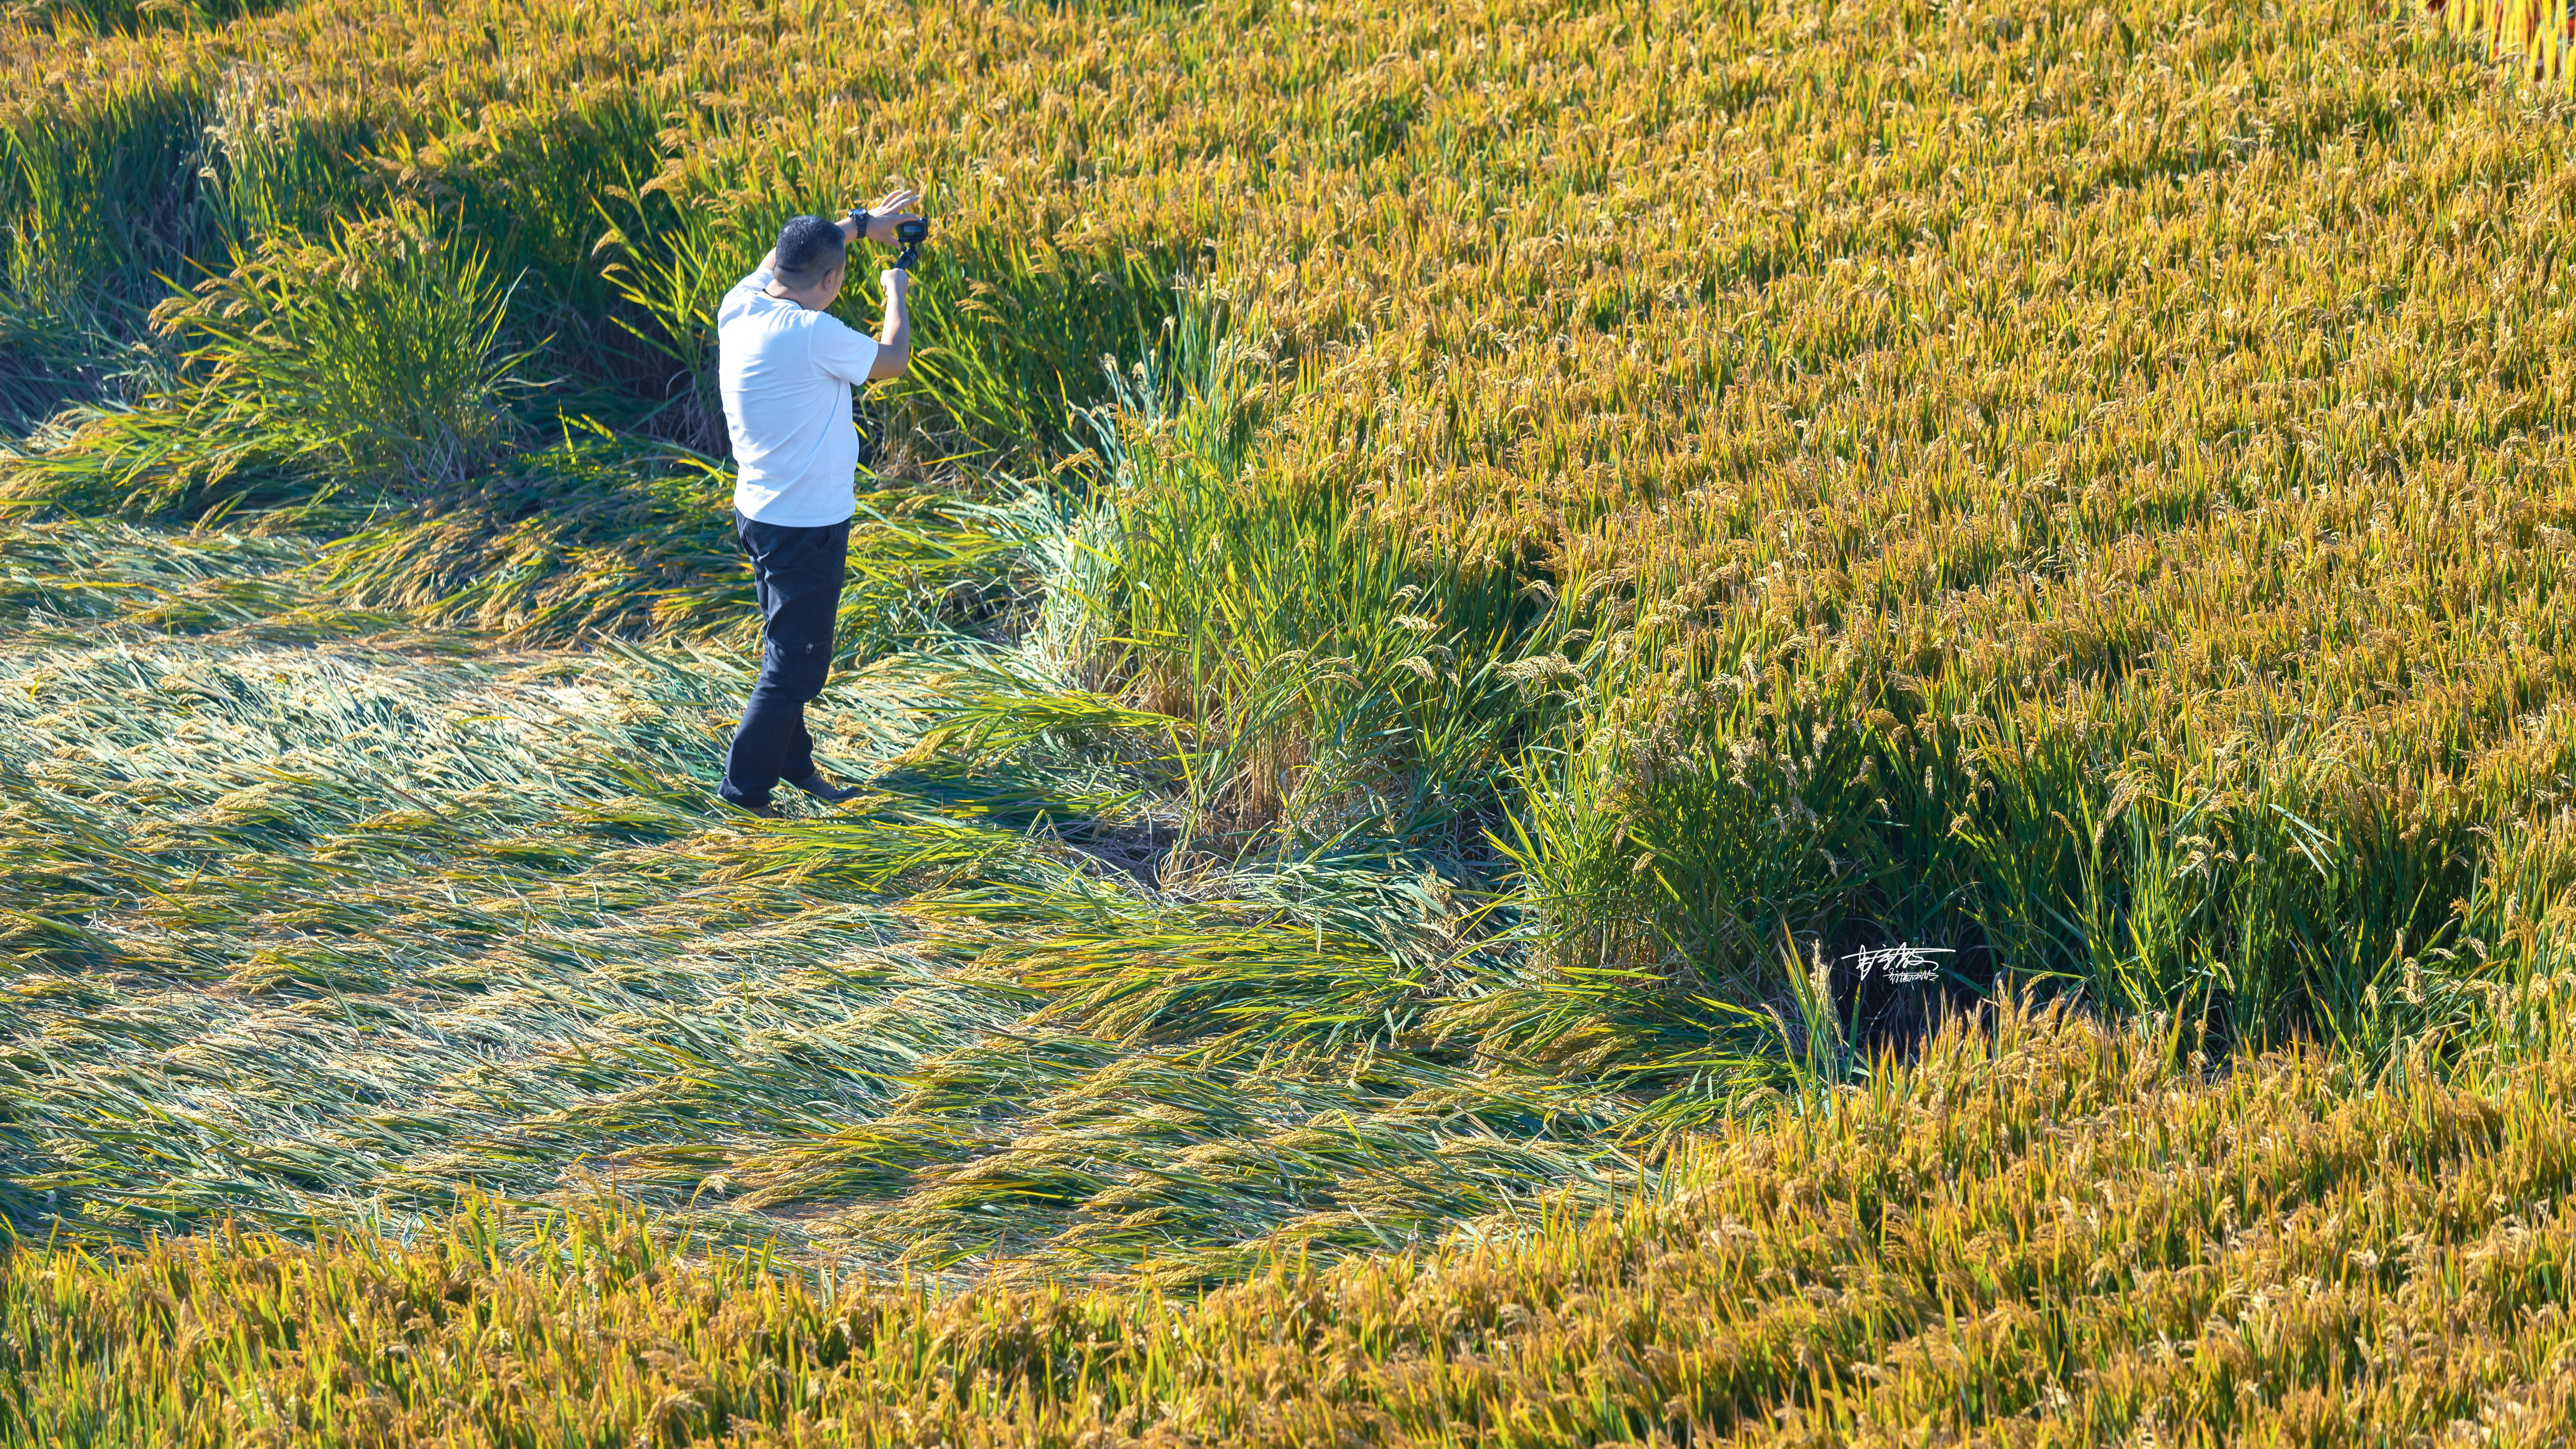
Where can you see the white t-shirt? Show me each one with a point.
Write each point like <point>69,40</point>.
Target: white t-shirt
<point>785,373</point>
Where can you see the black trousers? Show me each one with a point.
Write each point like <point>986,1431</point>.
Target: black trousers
<point>797,572</point>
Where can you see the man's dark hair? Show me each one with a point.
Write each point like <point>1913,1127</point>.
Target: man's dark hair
<point>808,249</point>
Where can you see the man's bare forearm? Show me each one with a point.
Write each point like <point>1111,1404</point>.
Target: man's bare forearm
<point>894,339</point>
<point>897,333</point>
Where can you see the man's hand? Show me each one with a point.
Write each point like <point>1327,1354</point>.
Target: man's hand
<point>877,223</point>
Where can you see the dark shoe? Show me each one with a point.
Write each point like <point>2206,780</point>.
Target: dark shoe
<point>765,812</point>
<point>824,790</point>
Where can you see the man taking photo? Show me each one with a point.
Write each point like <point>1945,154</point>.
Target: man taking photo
<point>786,367</point>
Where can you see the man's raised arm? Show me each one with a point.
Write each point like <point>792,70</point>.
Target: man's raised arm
<point>894,341</point>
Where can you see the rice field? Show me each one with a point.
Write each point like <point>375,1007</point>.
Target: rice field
<point>1654,724</point>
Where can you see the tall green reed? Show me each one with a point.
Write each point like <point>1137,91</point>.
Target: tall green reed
<point>2251,889</point>
<point>369,362</point>
<point>379,350</point>
<point>1356,690</point>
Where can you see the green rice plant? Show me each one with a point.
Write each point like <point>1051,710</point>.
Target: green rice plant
<point>1724,839</point>
<point>99,191</point>
<point>1010,338</point>
<point>1348,692</point>
<point>87,193</point>
<point>274,167</point>
<point>378,350</point>
<point>132,189</point>
<point>367,363</point>
<point>1276,985</point>
<point>77,17</point>
<point>59,354</point>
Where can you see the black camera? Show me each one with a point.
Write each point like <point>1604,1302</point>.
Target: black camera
<point>912,234</point>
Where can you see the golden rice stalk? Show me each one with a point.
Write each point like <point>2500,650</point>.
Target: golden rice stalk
<point>2541,32</point>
